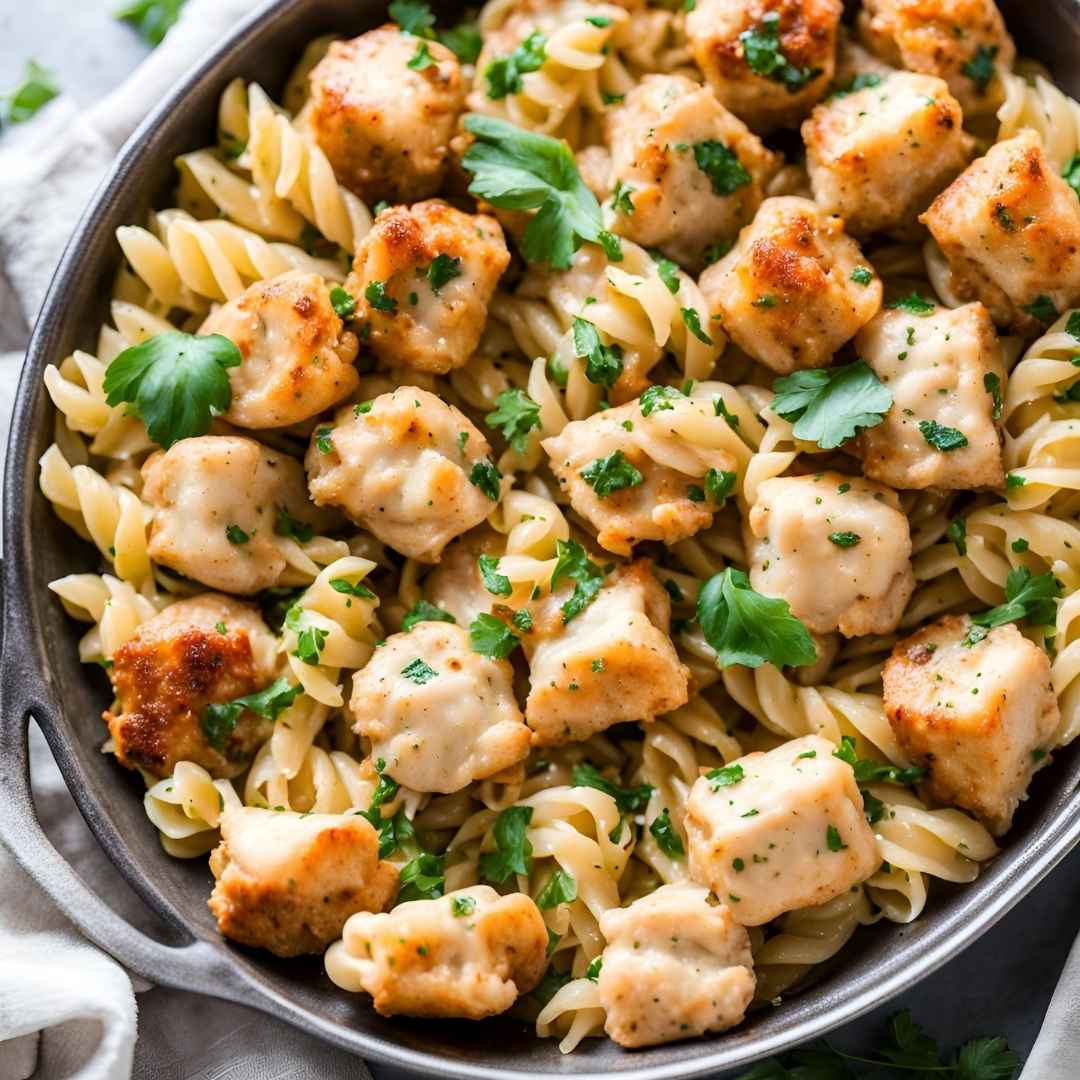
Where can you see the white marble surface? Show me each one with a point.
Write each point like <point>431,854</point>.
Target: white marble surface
<point>1000,986</point>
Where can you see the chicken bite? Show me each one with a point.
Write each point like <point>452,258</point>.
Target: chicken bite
<point>963,42</point>
<point>386,127</point>
<point>844,530</point>
<point>222,506</point>
<point>1009,227</point>
<point>455,585</point>
<point>408,467</point>
<point>422,278</point>
<point>438,714</point>
<point>209,649</point>
<point>778,831</point>
<point>287,882</point>
<point>979,714</point>
<point>943,369</point>
<point>676,965</point>
<point>768,61</point>
<point>878,156</point>
<point>688,173</point>
<point>469,954</point>
<point>785,293</point>
<point>634,476</point>
<point>297,356</point>
<point>609,663</point>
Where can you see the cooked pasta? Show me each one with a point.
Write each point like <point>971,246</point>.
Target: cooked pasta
<point>569,631</point>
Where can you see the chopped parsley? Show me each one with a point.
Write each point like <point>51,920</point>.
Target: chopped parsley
<point>462,906</point>
<point>422,878</point>
<point>443,269</point>
<point>692,320</point>
<point>574,563</point>
<point>323,442</point>
<point>980,68</point>
<point>725,776</point>
<point>845,539</point>
<point>945,439</point>
<point>487,478</point>
<point>422,58</point>
<point>862,276</point>
<point>610,474</point>
<point>513,851</point>
<point>351,588</point>
<point>560,889</point>
<point>419,672</point>
<point>491,637</point>
<point>220,719</point>
<point>422,611</point>
<point>764,56</point>
<point>504,74</point>
<point>992,385</point>
<point>515,415</point>
<point>722,166</point>
<point>235,535</point>
<point>1028,597</point>
<point>375,295</point>
<point>603,363</point>
<point>719,485</point>
<point>659,398</point>
<point>957,533</point>
<point>497,584</point>
<point>620,198</point>
<point>1042,308</point>
<point>628,800</point>
<point>913,304</point>
<point>667,836</point>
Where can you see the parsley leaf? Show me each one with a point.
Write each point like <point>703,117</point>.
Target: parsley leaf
<point>504,75</point>
<point>666,835</point>
<point>862,81</point>
<point>725,776</point>
<point>913,305</point>
<point>868,771</point>
<point>513,852</point>
<point>422,878</point>
<point>573,562</point>
<point>309,644</point>
<point>412,17</point>
<point>668,273</point>
<point>862,276</point>
<point>222,717</point>
<point>497,584</point>
<point>176,382</point>
<point>945,439</point>
<point>980,68</point>
<point>235,535</point>
<point>722,166</point>
<point>418,672</point>
<point>1071,173</point>
<point>621,202</point>
<point>833,840</point>
<point>845,539</point>
<point>351,588</point>
<point>592,972</point>
<point>375,295</point>
<point>487,478</point>
<point>628,800</point>
<point>659,398</point>
<point>560,889</point>
<point>385,789</point>
<point>719,485</point>
<point>286,525</point>
<point>491,637</point>
<point>1027,596</point>
<point>830,405</point>
<point>609,474</point>
<point>521,170</point>
<point>37,89</point>
<point>464,41</point>
<point>603,363</point>
<point>1042,308</point>
<point>692,321</point>
<point>462,906</point>
<point>957,533</point>
<point>444,268</point>
<point>992,385</point>
<point>745,627</point>
<point>761,49</point>
<point>153,19</point>
<point>323,442</point>
<point>515,415</point>
<point>421,59</point>
<point>422,611</point>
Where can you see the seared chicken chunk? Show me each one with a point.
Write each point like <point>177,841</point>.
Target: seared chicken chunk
<point>1010,229</point>
<point>944,369</point>
<point>963,42</point>
<point>785,292</point>
<point>675,966</point>
<point>878,156</point>
<point>612,662</point>
<point>221,504</point>
<point>778,831</point>
<point>844,530</point>
<point>980,715</point>
<point>468,954</point>
<point>287,882</point>
<point>386,127</point>
<point>422,279</point>
<point>439,714</point>
<point>624,471</point>
<point>409,467</point>
<point>297,356</point>
<point>209,649</point>
<point>455,585</point>
<point>768,61</point>
<point>689,173</point>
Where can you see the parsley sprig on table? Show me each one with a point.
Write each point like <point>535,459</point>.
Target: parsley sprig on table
<point>153,19</point>
<point>21,102</point>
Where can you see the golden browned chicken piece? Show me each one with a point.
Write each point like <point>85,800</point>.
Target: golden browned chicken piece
<point>469,954</point>
<point>422,279</point>
<point>386,127</point>
<point>980,715</point>
<point>768,61</point>
<point>287,882</point>
<point>209,649</point>
<point>785,293</point>
<point>297,356</point>
<point>1009,226</point>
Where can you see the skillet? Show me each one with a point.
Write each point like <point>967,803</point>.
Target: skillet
<point>41,677</point>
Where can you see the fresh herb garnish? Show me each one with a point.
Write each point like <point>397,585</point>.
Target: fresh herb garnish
<point>945,439</point>
<point>504,74</point>
<point>572,562</point>
<point>422,878</point>
<point>603,363</point>
<point>628,800</point>
<point>221,718</point>
<point>1030,597</point>
<point>422,611</point>
<point>513,852</point>
<point>491,637</point>
<point>722,166</point>
<point>515,415</point>
<point>980,68</point>
<point>443,269</point>
<point>764,56</point>
<point>495,583</point>
<point>37,89</point>
<point>666,835</point>
<point>487,478</point>
<point>610,474</point>
<point>560,889</point>
<point>659,398</point>
<point>419,672</point>
<point>153,19</point>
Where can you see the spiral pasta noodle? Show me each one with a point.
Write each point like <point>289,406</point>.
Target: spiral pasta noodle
<point>1038,104</point>
<point>186,808</point>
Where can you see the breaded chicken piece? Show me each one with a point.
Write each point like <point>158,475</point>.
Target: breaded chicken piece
<point>386,127</point>
<point>778,831</point>
<point>804,531</point>
<point>963,42</point>
<point>944,368</point>
<point>297,356</point>
<point>611,663</point>
<point>675,966</point>
<point>468,955</point>
<point>422,278</point>
<point>768,61</point>
<point>221,505</point>
<point>689,173</point>
<point>1009,227</point>
<point>409,467</point>
<point>981,717</point>
<point>878,156</point>
<point>287,882</point>
<point>785,293</point>
<point>208,649</point>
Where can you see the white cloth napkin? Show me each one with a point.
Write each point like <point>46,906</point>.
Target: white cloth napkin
<point>67,1010</point>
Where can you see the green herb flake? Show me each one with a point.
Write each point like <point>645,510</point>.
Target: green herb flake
<point>323,442</point>
<point>37,88</point>
<point>422,58</point>
<point>1042,308</point>
<point>422,611</point>
<point>487,478</point>
<point>957,533</point>
<point>692,320</point>
<point>610,474</point>
<point>418,672</point>
<point>764,55</point>
<point>725,776</point>
<point>513,851</point>
<point>560,889</point>
<point>497,584</point>
<point>628,800</point>
<point>845,539</point>
<point>666,835</point>
<point>945,439</point>
<point>980,68</point>
<point>220,719</point>
<point>603,363</point>
<point>722,166</point>
<point>235,535</point>
<point>515,415</point>
<point>862,276</point>
<point>504,74</point>
<point>491,637</point>
<point>913,304</point>
<point>375,295</point>
<point>443,269</point>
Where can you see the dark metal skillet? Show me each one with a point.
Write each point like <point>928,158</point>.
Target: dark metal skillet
<point>42,677</point>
